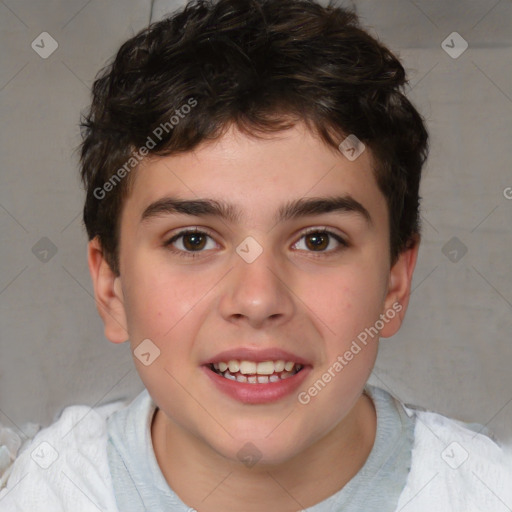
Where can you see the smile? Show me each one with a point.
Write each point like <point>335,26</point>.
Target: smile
<point>253,372</point>
<point>252,382</point>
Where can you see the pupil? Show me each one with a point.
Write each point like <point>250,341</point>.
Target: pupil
<point>197,241</point>
<point>319,240</point>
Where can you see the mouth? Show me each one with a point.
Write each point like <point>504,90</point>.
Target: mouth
<point>252,372</point>
<point>257,382</point>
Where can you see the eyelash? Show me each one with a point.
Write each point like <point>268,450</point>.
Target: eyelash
<point>195,254</point>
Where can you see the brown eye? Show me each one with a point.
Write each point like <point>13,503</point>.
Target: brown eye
<point>317,241</point>
<point>190,243</point>
<point>194,241</point>
<point>321,241</point>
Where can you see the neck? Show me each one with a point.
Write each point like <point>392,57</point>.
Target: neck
<point>320,471</point>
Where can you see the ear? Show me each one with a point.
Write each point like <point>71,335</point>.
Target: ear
<point>399,289</point>
<point>108,293</point>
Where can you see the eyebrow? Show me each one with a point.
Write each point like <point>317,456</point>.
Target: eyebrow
<point>291,210</point>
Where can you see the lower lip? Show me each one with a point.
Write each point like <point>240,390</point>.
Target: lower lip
<point>257,393</point>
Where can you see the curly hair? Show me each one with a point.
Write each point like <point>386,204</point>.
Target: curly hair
<point>262,65</point>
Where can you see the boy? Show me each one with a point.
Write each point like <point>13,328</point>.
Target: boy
<point>252,171</point>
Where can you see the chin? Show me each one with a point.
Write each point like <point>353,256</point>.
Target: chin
<point>260,448</point>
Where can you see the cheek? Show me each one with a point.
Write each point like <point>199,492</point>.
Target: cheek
<point>346,301</point>
<point>159,297</point>
<point>162,306</point>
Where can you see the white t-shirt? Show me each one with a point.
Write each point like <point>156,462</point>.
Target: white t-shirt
<point>139,484</point>
<point>69,466</point>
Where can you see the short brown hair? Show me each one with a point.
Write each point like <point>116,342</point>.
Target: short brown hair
<point>262,65</point>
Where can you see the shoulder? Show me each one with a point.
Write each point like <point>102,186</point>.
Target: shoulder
<point>455,467</point>
<point>64,467</point>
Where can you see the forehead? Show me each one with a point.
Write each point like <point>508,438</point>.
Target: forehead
<point>257,176</point>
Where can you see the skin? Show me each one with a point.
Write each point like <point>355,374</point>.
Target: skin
<point>294,296</point>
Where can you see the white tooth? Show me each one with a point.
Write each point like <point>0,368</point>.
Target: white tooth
<point>274,378</point>
<point>279,365</point>
<point>222,366</point>
<point>233,366</point>
<point>216,366</point>
<point>229,376</point>
<point>252,379</point>
<point>263,379</point>
<point>241,378</point>
<point>247,367</point>
<point>286,375</point>
<point>265,368</point>
<point>288,366</point>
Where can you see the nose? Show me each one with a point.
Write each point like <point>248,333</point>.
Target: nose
<point>257,294</point>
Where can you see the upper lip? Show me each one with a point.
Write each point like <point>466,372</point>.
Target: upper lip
<point>256,355</point>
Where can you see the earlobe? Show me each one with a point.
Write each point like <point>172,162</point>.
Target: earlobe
<point>108,294</point>
<point>399,289</point>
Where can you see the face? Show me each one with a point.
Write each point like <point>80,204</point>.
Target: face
<point>282,259</point>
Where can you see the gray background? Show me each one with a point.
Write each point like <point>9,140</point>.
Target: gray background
<point>452,355</point>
